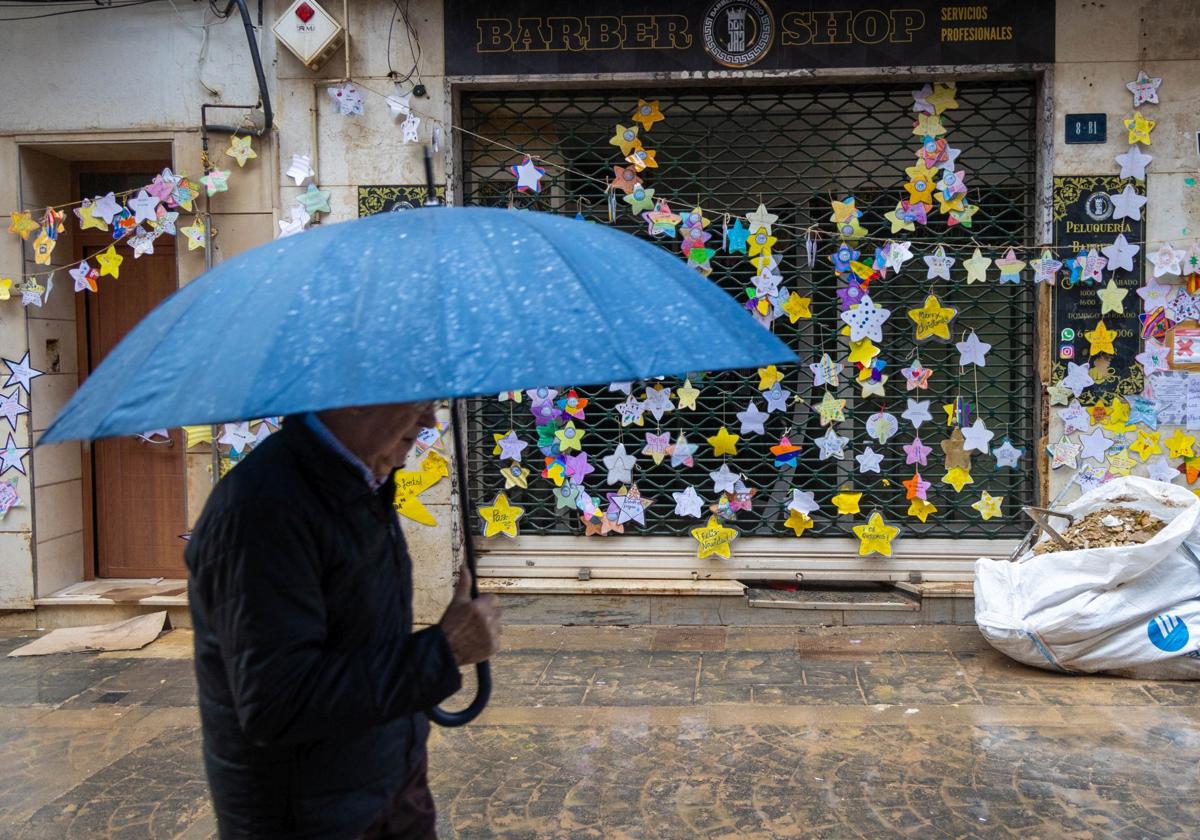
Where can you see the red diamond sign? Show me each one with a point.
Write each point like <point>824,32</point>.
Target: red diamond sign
<point>305,12</point>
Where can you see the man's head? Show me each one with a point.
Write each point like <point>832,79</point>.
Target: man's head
<point>381,436</point>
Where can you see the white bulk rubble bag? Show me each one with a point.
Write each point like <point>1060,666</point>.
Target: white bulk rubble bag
<point>1133,610</point>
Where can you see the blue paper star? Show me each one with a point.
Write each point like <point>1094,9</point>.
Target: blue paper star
<point>735,238</point>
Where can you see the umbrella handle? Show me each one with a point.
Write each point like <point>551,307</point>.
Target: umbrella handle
<point>483,670</point>
<point>483,675</point>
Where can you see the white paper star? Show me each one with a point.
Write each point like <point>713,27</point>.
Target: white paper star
<point>687,503</point>
<point>347,98</point>
<point>296,224</point>
<point>917,412</point>
<point>409,129</point>
<point>144,207</point>
<point>777,398</point>
<point>1160,469</point>
<point>682,451</point>
<point>658,402</point>
<point>237,436</point>
<point>398,104</point>
<point>866,320</point>
<point>977,267</point>
<point>939,265</point>
<point>723,479</point>
<point>11,408</point>
<point>972,351</point>
<point>12,457</point>
<point>1127,204</point>
<point>1120,254</point>
<point>1078,379</point>
<point>631,411</point>
<point>832,445</point>
<point>898,254</point>
<point>84,276</point>
<point>20,373</point>
<point>620,466</point>
<point>825,372</point>
<point>1167,260</point>
<point>760,218</point>
<point>106,207</point>
<point>1154,294</point>
<point>1134,162</point>
<point>920,105</point>
<point>1007,455</point>
<point>977,437</point>
<point>951,156</point>
<point>1065,453</point>
<point>752,419</point>
<point>1144,88</point>
<point>622,387</point>
<point>511,447</point>
<point>1153,357</point>
<point>1075,417</point>
<point>301,170</point>
<point>1095,444</point>
<point>869,460</point>
<point>142,242</point>
<point>529,175</point>
<point>803,501</point>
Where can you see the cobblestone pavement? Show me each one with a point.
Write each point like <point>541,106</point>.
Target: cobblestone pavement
<point>664,733</point>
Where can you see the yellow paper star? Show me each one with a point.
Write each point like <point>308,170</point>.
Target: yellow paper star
<point>626,139</point>
<point>875,537</point>
<point>898,222</point>
<point>768,376</point>
<point>723,443</point>
<point>932,320</point>
<point>1100,339</point>
<point>1139,129</point>
<point>847,503</point>
<point>928,125</point>
<point>22,224</point>
<point>647,114</point>
<point>43,247</point>
<point>110,262</point>
<point>515,475</point>
<point>851,231</point>
<point>951,409</point>
<point>641,158</point>
<point>196,435</point>
<point>831,410</point>
<point>988,505</point>
<point>1119,463</point>
<point>1112,416</point>
<point>1147,444</point>
<point>958,478</point>
<point>714,539</point>
<point>921,508</point>
<point>920,190</point>
<point>798,522</point>
<point>195,233</point>
<point>241,150</point>
<point>843,211</point>
<point>951,205</point>
<point>687,395</point>
<point>6,285</point>
<point>86,213</point>
<point>760,243</point>
<point>1180,444</point>
<point>1112,298</point>
<point>942,97</point>
<point>797,307</point>
<point>862,352</point>
<point>500,517</point>
<point>569,437</point>
<point>410,484</point>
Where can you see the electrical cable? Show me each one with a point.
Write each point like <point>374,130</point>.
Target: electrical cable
<point>414,44</point>
<point>77,11</point>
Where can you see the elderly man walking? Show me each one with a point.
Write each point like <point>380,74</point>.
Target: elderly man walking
<point>312,683</point>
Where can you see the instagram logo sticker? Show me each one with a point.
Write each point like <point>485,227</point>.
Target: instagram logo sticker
<point>1066,351</point>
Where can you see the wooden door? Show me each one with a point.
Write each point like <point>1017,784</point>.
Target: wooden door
<point>137,485</point>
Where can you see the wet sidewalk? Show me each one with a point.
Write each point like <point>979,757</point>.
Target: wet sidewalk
<point>664,733</point>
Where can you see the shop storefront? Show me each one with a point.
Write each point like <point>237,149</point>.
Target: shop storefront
<point>748,137</point>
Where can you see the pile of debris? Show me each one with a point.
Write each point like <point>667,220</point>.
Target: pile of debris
<point>1105,528</point>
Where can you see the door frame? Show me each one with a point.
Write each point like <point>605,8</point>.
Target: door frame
<point>81,240</point>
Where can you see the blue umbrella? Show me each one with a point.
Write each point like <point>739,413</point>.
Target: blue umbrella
<point>423,304</point>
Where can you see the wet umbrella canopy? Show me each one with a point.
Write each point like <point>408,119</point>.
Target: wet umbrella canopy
<point>423,304</point>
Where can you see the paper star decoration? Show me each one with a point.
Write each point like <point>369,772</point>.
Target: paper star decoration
<point>1077,379</point>
<point>932,320</point>
<point>958,478</point>
<point>1160,469</point>
<point>988,505</point>
<point>1010,267</point>
<point>347,98</point>
<point>724,480</point>
<point>20,373</point>
<point>658,446</point>
<point>1134,163</point>
<point>296,224</point>
<point>1153,358</point>
<point>1045,268</point>
<point>528,174</point>
<point>882,426</point>
<point>875,537</point>
<point>241,150</point>
<point>869,460</point>
<point>866,320</point>
<point>761,218</point>
<point>410,484</point>
<point>1112,298</point>
<point>682,452</point>
<point>1007,455</point>
<point>847,503</point>
<point>12,457</point>
<point>687,394</point>
<point>11,408</point>
<point>628,505</point>
<point>300,170</point>
<point>862,352</point>
<point>977,437</point>
<point>825,372</point>
<point>1181,445</point>
<point>1100,339</point>
<point>647,114</point>
<point>1144,89</point>
<point>500,518</point>
<point>797,307</point>
<point>938,265</point>
<point>777,398</point>
<point>631,411</point>
<point>831,410</point>
<point>620,466</point>
<point>953,452</point>
<point>1127,204</point>
<point>798,522</point>
<point>916,376</point>
<point>1139,128</point>
<point>215,181</point>
<point>713,539</point>
<point>972,351</point>
<point>658,401</point>
<point>399,104</point>
<point>515,476</point>
<point>916,452</point>
<point>687,503</point>
<point>22,223</point>
<point>832,445</point>
<point>1167,260</point>
<point>1064,453</point>
<point>1120,254</point>
<point>1119,463</point>
<point>195,234</point>
<point>1147,444</point>
<point>921,508</point>
<point>917,412</point>
<point>723,443</point>
<point>1075,418</point>
<point>626,139</point>
<point>976,267</point>
<point>314,200</point>
<point>84,276</point>
<point>915,487</point>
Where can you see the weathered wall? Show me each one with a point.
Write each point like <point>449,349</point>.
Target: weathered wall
<point>1101,46</point>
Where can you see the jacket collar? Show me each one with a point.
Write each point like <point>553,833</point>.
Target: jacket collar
<point>335,479</point>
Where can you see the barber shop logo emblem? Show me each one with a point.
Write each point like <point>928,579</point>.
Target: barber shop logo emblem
<point>1167,632</point>
<point>737,33</point>
<point>1098,206</point>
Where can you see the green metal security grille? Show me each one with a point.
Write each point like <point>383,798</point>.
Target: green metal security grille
<point>796,149</point>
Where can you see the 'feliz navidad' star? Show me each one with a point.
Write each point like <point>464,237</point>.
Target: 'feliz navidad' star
<point>714,539</point>
<point>875,537</point>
